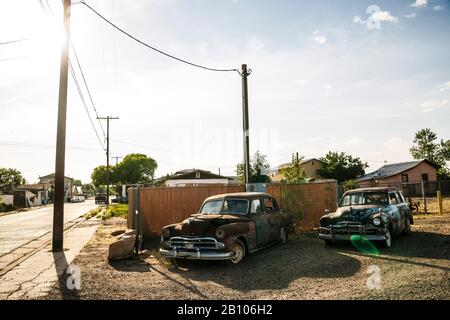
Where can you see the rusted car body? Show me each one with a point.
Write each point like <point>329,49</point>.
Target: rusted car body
<point>226,227</point>
<point>377,214</point>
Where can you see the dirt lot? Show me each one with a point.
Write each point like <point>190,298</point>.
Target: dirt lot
<point>416,267</point>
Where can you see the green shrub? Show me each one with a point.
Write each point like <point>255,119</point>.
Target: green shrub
<point>6,207</point>
<point>117,210</point>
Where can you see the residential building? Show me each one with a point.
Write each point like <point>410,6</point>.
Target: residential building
<point>193,177</point>
<point>397,173</point>
<point>68,184</point>
<point>309,168</point>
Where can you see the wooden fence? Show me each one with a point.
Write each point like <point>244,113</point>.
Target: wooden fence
<point>160,206</point>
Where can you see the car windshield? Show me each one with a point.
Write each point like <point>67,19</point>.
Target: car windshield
<point>364,198</point>
<point>221,206</point>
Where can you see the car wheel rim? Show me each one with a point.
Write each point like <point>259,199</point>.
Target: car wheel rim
<point>283,235</point>
<point>388,239</point>
<point>238,253</point>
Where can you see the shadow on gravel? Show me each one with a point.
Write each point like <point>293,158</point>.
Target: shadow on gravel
<point>417,244</point>
<point>272,268</point>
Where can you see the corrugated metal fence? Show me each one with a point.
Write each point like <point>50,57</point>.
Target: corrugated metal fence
<point>160,206</point>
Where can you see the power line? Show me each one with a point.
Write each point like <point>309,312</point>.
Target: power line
<point>35,145</point>
<point>14,41</point>
<point>153,48</point>
<point>84,103</point>
<point>87,88</point>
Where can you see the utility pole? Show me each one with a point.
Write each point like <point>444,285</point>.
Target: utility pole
<point>108,118</point>
<point>244,74</point>
<point>58,206</point>
<point>117,159</point>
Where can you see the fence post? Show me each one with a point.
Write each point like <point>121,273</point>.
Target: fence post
<point>424,198</point>
<point>137,225</point>
<point>439,198</point>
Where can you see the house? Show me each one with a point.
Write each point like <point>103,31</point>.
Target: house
<point>308,167</point>
<point>193,177</point>
<point>68,184</point>
<point>35,194</point>
<point>397,173</point>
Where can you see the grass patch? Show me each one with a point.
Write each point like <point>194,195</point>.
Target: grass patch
<point>93,213</point>
<point>117,210</point>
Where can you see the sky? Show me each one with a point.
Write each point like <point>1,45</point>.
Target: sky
<point>354,76</point>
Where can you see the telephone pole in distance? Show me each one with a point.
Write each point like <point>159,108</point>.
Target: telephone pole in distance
<point>108,118</point>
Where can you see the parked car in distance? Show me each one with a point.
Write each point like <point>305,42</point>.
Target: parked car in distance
<point>77,199</point>
<point>377,214</point>
<point>227,227</point>
<point>101,198</point>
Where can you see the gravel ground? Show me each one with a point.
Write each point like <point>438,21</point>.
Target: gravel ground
<point>416,267</point>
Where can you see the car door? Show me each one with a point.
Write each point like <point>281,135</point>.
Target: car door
<point>261,223</point>
<point>274,217</point>
<point>404,210</point>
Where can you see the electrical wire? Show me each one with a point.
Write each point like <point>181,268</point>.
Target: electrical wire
<point>87,88</point>
<point>35,145</point>
<point>84,103</point>
<point>14,41</point>
<point>153,48</point>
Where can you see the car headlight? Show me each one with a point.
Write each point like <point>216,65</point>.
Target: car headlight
<point>166,233</point>
<point>376,221</point>
<point>220,233</point>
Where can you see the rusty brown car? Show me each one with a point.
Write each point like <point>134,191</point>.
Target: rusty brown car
<point>227,227</point>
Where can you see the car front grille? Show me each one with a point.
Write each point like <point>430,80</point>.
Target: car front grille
<point>351,229</point>
<point>195,243</point>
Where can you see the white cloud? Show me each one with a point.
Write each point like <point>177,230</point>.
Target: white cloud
<point>433,104</point>
<point>444,86</point>
<point>320,40</point>
<point>358,20</point>
<point>438,8</point>
<point>384,16</point>
<point>255,44</point>
<point>328,86</point>
<point>419,4</point>
<point>410,15</point>
<point>316,32</point>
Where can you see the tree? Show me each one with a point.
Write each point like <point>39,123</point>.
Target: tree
<point>258,163</point>
<point>341,167</point>
<point>77,183</point>
<point>98,176</point>
<point>88,188</point>
<point>135,168</point>
<point>426,146</point>
<point>294,173</point>
<point>10,175</point>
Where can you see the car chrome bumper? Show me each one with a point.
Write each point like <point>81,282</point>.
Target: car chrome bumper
<point>195,255</point>
<point>371,237</point>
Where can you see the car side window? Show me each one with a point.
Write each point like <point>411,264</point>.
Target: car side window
<point>269,205</point>
<point>392,198</point>
<point>402,197</point>
<point>256,206</point>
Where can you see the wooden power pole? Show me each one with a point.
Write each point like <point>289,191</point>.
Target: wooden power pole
<point>244,74</point>
<point>108,118</point>
<point>58,206</point>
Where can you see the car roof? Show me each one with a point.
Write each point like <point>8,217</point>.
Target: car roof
<point>243,195</point>
<point>372,189</point>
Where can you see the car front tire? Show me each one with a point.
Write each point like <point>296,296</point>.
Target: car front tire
<point>387,243</point>
<point>238,252</point>
<point>283,235</point>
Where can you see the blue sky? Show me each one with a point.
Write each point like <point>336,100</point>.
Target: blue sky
<point>323,79</point>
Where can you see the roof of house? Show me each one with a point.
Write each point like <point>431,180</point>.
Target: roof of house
<point>52,175</point>
<point>389,170</point>
<point>187,174</point>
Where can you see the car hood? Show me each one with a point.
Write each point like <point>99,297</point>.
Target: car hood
<point>358,214</point>
<point>206,224</point>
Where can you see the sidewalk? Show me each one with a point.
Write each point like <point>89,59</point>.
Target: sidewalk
<point>35,276</point>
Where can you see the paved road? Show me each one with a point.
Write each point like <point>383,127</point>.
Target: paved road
<point>19,228</point>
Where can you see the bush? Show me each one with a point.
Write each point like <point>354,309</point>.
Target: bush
<point>6,207</point>
<point>117,210</point>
